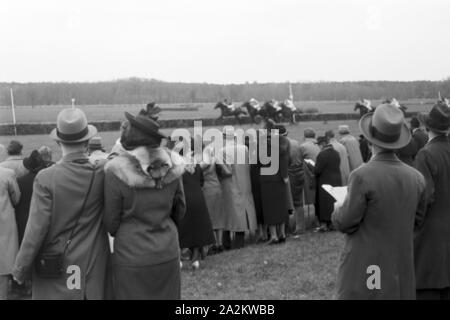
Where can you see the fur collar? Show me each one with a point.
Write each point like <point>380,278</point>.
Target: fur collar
<point>130,167</point>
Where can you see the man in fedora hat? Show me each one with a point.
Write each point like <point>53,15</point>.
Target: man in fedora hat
<point>432,241</point>
<point>64,238</point>
<point>385,200</point>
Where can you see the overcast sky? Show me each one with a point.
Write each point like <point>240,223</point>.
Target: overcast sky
<point>229,41</point>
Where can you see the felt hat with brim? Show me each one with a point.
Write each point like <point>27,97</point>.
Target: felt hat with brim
<point>386,127</point>
<point>72,127</point>
<point>438,120</point>
<point>34,161</point>
<point>146,125</point>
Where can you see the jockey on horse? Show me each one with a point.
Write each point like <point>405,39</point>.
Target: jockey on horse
<point>253,109</point>
<point>289,110</point>
<point>364,106</point>
<point>229,110</point>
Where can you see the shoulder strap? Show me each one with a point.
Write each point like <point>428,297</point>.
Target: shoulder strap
<point>69,240</point>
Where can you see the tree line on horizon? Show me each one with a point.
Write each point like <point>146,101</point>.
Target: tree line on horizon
<point>141,91</point>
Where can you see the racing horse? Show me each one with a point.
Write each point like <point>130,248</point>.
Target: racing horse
<point>289,110</point>
<point>230,110</point>
<point>272,110</point>
<point>364,106</point>
<point>253,109</point>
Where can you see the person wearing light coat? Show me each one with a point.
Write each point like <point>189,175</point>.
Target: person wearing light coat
<point>237,199</point>
<point>344,166</point>
<point>9,197</point>
<point>352,145</point>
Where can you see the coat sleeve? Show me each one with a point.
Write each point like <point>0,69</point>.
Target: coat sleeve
<point>421,206</point>
<point>179,203</point>
<point>14,190</point>
<point>36,230</point>
<point>426,167</point>
<point>284,158</point>
<point>320,164</point>
<point>348,217</point>
<point>113,203</point>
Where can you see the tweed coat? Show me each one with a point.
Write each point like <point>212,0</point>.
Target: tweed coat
<point>9,197</point>
<point>58,195</point>
<point>385,201</point>
<point>432,241</point>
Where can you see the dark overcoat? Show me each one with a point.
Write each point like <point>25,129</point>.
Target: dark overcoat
<point>23,207</point>
<point>432,240</point>
<point>142,218</point>
<point>385,199</point>
<point>195,229</point>
<point>58,195</point>
<point>275,192</point>
<point>327,171</point>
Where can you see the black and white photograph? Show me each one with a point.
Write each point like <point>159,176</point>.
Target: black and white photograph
<point>224,155</point>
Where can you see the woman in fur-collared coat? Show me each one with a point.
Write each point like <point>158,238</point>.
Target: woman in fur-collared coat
<point>144,201</point>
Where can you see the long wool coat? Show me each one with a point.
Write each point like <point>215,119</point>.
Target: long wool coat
<point>58,196</point>
<point>143,217</point>
<point>353,151</point>
<point>296,172</point>
<point>275,191</point>
<point>9,197</point>
<point>195,229</point>
<point>212,190</point>
<point>344,166</point>
<point>237,199</point>
<point>23,207</point>
<point>326,171</point>
<point>432,241</point>
<point>384,201</point>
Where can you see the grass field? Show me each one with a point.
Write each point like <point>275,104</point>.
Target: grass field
<point>303,268</point>
<point>205,110</point>
<point>31,142</point>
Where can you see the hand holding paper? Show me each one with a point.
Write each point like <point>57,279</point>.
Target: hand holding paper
<point>338,193</point>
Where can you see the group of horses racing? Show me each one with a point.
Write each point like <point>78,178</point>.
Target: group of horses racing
<point>275,110</point>
<point>280,111</point>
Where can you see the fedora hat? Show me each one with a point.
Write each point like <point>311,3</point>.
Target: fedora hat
<point>72,127</point>
<point>145,124</point>
<point>386,127</point>
<point>438,119</point>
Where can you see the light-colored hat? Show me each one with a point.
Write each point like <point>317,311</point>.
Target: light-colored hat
<point>95,143</point>
<point>72,127</point>
<point>386,127</point>
<point>343,129</point>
